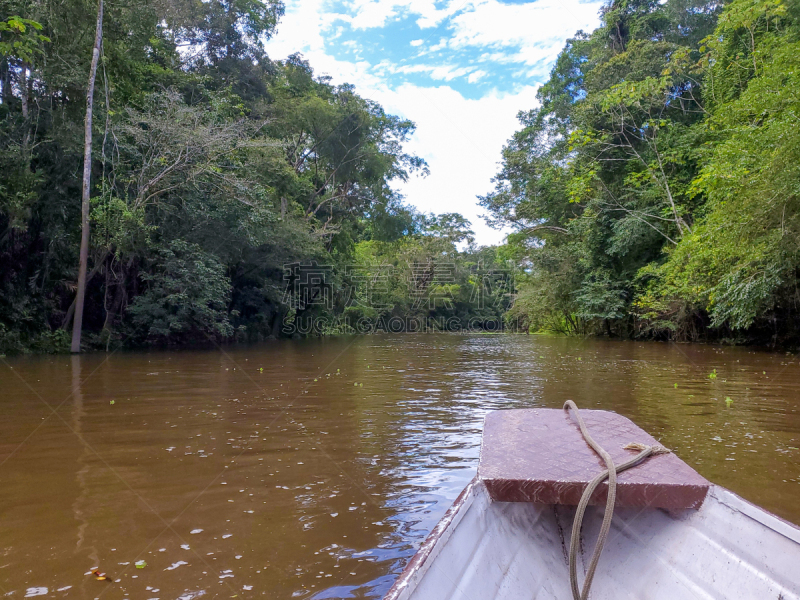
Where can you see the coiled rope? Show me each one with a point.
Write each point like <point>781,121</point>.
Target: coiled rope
<point>611,474</point>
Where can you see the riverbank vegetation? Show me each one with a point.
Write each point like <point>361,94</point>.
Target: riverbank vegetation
<point>654,192</point>
<point>212,168</point>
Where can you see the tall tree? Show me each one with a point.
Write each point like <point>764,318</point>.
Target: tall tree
<point>77,323</point>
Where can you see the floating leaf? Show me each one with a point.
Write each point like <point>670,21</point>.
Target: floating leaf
<point>111,402</point>
<point>140,564</point>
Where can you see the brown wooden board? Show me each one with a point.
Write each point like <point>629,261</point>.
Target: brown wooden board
<point>539,455</point>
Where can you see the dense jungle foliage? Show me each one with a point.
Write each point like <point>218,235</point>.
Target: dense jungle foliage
<point>655,190</point>
<point>214,167</point>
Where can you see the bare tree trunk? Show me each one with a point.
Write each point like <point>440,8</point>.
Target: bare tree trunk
<point>24,89</point>
<point>5,77</point>
<point>77,323</point>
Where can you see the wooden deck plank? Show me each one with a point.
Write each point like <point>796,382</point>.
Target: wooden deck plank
<point>539,455</point>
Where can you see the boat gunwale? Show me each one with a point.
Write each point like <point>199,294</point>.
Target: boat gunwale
<point>771,521</point>
<point>427,552</point>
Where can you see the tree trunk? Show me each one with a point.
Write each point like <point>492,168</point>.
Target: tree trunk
<point>5,81</point>
<point>77,323</point>
<point>24,92</point>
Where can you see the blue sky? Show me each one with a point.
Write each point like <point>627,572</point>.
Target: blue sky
<point>460,69</point>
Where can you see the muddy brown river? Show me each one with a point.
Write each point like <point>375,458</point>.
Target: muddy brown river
<point>314,469</point>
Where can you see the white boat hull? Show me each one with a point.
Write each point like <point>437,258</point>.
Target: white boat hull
<point>483,550</point>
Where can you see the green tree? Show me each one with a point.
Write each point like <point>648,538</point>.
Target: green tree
<point>597,181</point>
<point>740,263</point>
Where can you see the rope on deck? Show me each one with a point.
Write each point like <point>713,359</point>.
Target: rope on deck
<point>611,474</point>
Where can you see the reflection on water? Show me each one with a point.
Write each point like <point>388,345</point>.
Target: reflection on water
<point>315,469</point>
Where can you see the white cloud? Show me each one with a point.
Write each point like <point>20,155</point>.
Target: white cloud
<point>460,138</point>
<point>301,29</point>
<point>440,46</point>
<point>366,14</point>
<point>476,76</point>
<point>448,72</point>
<point>369,14</point>
<point>436,72</point>
<point>538,28</point>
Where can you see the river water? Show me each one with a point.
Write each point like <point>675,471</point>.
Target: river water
<point>314,469</point>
